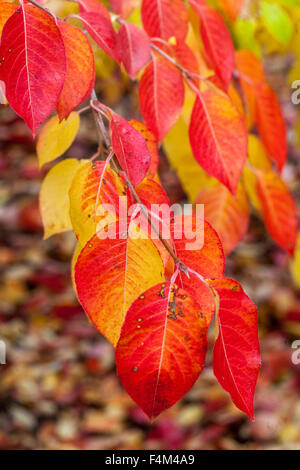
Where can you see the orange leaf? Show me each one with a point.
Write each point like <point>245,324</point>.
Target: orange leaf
<point>152,145</point>
<point>162,347</point>
<point>271,125</point>
<point>6,10</point>
<point>279,210</point>
<point>229,215</point>
<point>80,64</point>
<point>232,8</point>
<point>251,75</point>
<point>218,137</point>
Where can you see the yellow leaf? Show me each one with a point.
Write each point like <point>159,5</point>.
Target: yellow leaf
<point>258,158</point>
<point>54,197</point>
<point>56,137</point>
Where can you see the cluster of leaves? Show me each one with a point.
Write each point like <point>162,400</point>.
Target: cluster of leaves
<point>154,299</point>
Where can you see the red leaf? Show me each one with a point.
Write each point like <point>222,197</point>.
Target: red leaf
<point>271,125</point>
<point>162,347</point>
<point>33,64</point>
<point>279,210</point>
<point>161,96</point>
<point>236,359</point>
<point>216,40</point>
<point>124,7</point>
<point>218,137</point>
<point>101,30</point>
<point>80,64</point>
<point>165,18</point>
<point>134,48</point>
<point>94,6</point>
<point>130,148</point>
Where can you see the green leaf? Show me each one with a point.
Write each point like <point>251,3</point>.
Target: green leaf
<point>244,36</point>
<point>277,21</point>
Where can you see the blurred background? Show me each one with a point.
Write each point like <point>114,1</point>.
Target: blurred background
<point>58,388</point>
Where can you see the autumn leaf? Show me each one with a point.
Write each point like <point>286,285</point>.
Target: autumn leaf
<point>232,8</point>
<point>100,28</point>
<point>124,7</point>
<point>161,96</point>
<point>6,11</point>
<point>80,64</point>
<point>56,137</point>
<point>111,273</point>
<point>54,197</point>
<point>228,214</point>
<point>130,148</point>
<point>251,75</point>
<point>32,90</point>
<point>162,347</point>
<point>218,137</point>
<point>93,6</point>
<point>95,184</point>
<point>279,209</point>
<point>216,39</point>
<point>271,125</point>
<point>152,145</point>
<point>165,18</point>
<point>198,247</point>
<point>236,358</point>
<point>134,48</point>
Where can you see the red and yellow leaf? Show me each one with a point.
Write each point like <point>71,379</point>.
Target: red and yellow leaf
<point>216,39</point>
<point>33,64</point>
<point>228,214</point>
<point>162,347</point>
<point>161,96</point>
<point>134,48</point>
<point>236,359</point>
<point>91,188</point>
<point>165,18</point>
<point>218,137</point>
<point>80,64</point>
<point>111,273</point>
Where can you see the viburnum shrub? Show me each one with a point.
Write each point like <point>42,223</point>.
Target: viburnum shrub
<point>154,297</point>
